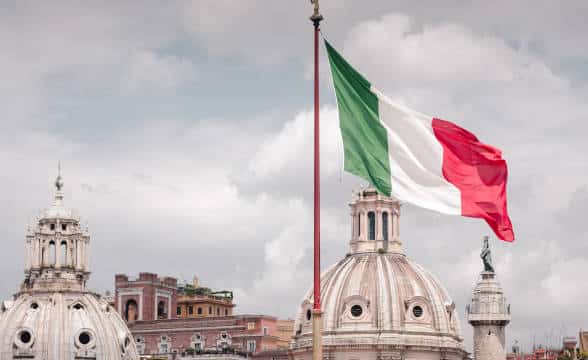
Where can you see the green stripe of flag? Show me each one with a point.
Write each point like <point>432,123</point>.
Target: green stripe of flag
<point>365,140</point>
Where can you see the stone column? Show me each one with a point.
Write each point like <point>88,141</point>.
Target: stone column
<point>378,224</point>
<point>353,225</point>
<point>77,254</point>
<point>58,252</point>
<point>29,259</point>
<point>86,256</point>
<point>489,315</point>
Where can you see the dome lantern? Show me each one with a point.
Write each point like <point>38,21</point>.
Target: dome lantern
<point>374,223</point>
<point>57,248</point>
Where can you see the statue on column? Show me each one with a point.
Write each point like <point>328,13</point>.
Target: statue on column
<point>486,256</point>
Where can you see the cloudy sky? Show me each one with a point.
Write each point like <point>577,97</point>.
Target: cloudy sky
<point>184,130</point>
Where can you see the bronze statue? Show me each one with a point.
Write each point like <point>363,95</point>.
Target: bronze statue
<point>486,256</point>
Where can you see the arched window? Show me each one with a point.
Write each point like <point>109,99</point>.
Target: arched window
<point>371,226</point>
<point>63,253</point>
<point>161,311</point>
<point>131,313</point>
<point>51,253</point>
<point>385,225</point>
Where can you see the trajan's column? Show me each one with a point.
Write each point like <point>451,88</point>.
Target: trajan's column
<point>488,312</point>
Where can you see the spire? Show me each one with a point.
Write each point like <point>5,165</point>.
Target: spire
<point>58,186</point>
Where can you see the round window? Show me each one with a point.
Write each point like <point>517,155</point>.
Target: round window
<point>78,306</point>
<point>308,314</point>
<point>84,338</point>
<point>356,310</point>
<point>417,311</point>
<point>25,337</point>
<point>34,306</point>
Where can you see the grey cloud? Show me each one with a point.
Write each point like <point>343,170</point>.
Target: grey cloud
<point>167,179</point>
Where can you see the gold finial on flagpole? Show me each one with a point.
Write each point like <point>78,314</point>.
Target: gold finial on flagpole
<point>316,15</point>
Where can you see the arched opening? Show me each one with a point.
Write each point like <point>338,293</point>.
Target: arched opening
<point>63,254</point>
<point>131,313</point>
<point>385,225</point>
<point>161,310</point>
<point>371,226</point>
<point>51,253</point>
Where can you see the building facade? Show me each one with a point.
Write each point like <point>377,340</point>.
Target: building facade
<point>171,319</point>
<point>241,334</point>
<point>54,316</point>
<point>146,298</point>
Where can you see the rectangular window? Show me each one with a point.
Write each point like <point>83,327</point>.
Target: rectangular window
<point>190,310</point>
<point>199,311</point>
<point>251,325</point>
<point>210,310</point>
<point>63,227</point>
<point>52,226</point>
<point>385,225</point>
<point>179,311</point>
<point>371,226</point>
<point>251,346</point>
<point>265,330</point>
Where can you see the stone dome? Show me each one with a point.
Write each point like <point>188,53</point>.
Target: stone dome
<point>53,316</point>
<point>63,325</point>
<point>376,302</point>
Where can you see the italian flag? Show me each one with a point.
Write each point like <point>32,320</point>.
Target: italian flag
<point>416,158</point>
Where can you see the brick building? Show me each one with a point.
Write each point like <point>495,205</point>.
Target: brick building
<point>568,350</point>
<point>583,341</point>
<point>145,298</point>
<point>247,334</point>
<point>196,301</point>
<point>166,319</point>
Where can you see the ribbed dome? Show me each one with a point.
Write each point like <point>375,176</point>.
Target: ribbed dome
<point>383,299</point>
<point>54,317</point>
<point>376,302</point>
<point>63,325</point>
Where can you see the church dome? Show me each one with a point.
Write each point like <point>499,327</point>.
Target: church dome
<point>376,301</point>
<point>54,317</point>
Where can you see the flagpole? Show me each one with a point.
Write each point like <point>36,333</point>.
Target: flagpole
<point>317,350</point>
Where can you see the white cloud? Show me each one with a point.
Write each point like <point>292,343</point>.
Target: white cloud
<point>148,68</point>
<point>288,152</point>
<point>565,284</point>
